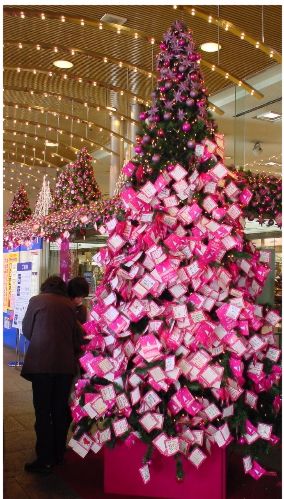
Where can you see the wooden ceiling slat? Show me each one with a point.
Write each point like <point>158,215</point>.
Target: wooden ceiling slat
<point>237,56</point>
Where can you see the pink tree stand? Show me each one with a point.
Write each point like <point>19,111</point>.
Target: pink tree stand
<point>121,475</point>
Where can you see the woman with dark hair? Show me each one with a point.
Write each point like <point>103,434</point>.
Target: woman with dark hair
<point>55,336</point>
<point>78,288</point>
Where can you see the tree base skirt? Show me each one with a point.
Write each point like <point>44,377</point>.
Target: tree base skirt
<point>121,475</point>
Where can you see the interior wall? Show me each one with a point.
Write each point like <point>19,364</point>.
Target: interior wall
<point>7,200</point>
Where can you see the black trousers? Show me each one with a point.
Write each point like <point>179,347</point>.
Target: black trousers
<point>52,415</point>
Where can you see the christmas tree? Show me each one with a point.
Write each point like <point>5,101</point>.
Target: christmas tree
<point>179,353</point>
<point>44,201</point>
<point>76,184</point>
<point>20,207</point>
<point>120,184</point>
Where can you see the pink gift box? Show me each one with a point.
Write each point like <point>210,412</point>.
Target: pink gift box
<point>121,474</point>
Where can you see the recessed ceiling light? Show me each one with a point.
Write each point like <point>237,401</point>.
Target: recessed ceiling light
<point>63,64</point>
<point>110,18</point>
<point>51,144</point>
<point>269,116</point>
<point>210,47</point>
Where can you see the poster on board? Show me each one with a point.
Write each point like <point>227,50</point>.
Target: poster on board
<point>33,256</point>
<point>10,275</point>
<point>23,293</point>
<point>5,280</point>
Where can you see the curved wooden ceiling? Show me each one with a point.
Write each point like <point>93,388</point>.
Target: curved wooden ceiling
<point>112,66</point>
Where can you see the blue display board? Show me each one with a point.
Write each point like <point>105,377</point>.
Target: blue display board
<point>36,244</point>
<point>9,332</point>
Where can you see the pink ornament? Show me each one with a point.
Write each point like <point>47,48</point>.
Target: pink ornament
<point>186,127</point>
<point>190,102</point>
<point>277,403</point>
<point>167,115</point>
<point>191,144</point>
<point>168,85</point>
<point>139,173</point>
<point>156,158</point>
<point>143,116</point>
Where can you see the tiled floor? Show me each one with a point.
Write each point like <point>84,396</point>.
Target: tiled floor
<point>19,441</point>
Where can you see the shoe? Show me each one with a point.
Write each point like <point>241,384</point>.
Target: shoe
<point>38,467</point>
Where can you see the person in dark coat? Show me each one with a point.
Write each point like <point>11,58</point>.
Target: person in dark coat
<point>51,362</point>
<point>78,288</point>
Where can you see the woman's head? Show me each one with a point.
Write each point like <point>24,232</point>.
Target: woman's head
<point>54,284</point>
<point>78,288</point>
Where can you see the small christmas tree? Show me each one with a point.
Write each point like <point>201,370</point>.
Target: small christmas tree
<point>122,179</point>
<point>44,201</point>
<point>76,184</point>
<point>20,207</point>
<point>179,353</point>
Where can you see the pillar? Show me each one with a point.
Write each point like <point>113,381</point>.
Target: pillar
<point>115,162</point>
<point>135,110</point>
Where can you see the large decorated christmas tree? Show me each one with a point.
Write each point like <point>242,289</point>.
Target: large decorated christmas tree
<point>76,184</point>
<point>179,353</point>
<point>20,208</point>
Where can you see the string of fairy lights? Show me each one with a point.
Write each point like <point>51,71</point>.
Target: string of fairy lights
<point>262,165</point>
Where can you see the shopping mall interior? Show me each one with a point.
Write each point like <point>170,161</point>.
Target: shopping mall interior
<point>81,77</point>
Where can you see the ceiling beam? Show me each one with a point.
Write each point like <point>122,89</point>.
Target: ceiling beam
<point>74,149</point>
<point>71,99</point>
<point>108,59</point>
<point>231,28</point>
<point>87,21</point>
<point>85,122</point>
<point>105,58</point>
<point>17,153</point>
<point>119,29</point>
<point>34,147</point>
<point>79,80</point>
<point>139,99</point>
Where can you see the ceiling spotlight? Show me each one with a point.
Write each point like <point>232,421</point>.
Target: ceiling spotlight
<point>110,108</point>
<point>63,64</point>
<point>51,144</point>
<point>269,116</point>
<point>210,47</point>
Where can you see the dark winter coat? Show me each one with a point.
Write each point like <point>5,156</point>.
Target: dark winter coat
<point>54,333</point>
<point>81,313</point>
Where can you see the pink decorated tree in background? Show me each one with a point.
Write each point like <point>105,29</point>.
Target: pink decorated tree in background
<point>20,208</point>
<point>179,353</point>
<point>76,184</point>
